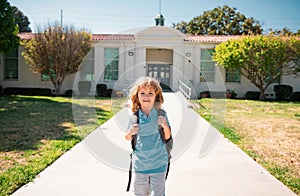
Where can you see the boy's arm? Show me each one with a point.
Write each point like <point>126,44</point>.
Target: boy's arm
<point>132,131</point>
<point>167,131</point>
<point>128,135</point>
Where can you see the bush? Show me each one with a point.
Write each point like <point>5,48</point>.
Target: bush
<point>252,95</point>
<point>102,90</point>
<point>84,87</point>
<point>27,91</point>
<point>205,94</point>
<point>231,94</point>
<point>69,93</point>
<point>296,96</point>
<point>283,92</point>
<point>0,89</point>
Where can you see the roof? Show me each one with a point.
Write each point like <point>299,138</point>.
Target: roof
<point>131,37</point>
<point>209,38</point>
<point>112,37</point>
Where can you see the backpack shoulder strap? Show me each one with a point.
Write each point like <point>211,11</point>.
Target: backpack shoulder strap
<point>168,143</point>
<point>133,140</point>
<point>133,143</point>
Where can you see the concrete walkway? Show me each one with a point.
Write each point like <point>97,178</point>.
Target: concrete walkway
<point>204,163</point>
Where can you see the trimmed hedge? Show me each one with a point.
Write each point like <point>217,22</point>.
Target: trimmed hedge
<point>102,90</point>
<point>27,91</point>
<point>296,96</point>
<point>205,94</point>
<point>283,92</point>
<point>252,95</point>
<point>69,93</point>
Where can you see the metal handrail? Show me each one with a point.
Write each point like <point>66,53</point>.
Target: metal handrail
<point>185,89</point>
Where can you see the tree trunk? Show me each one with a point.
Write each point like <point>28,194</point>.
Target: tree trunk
<point>262,95</point>
<point>57,90</point>
<point>57,85</point>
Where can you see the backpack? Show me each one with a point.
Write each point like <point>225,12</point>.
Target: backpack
<point>168,143</point>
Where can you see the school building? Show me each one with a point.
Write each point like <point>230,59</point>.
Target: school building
<point>117,60</point>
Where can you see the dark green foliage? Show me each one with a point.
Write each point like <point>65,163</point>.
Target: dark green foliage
<point>8,29</point>
<point>21,20</point>
<point>27,91</point>
<point>296,96</point>
<point>283,92</point>
<point>252,95</point>
<point>220,21</point>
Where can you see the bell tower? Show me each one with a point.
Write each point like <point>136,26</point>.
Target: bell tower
<point>159,18</point>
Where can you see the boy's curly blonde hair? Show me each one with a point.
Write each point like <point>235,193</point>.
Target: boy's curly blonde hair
<point>141,83</point>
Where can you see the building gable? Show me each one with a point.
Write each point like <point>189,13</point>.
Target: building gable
<point>159,32</point>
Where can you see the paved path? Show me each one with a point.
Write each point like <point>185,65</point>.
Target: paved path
<point>204,162</point>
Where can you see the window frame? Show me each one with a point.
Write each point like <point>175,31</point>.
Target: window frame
<point>109,62</point>
<point>208,72</point>
<point>12,55</point>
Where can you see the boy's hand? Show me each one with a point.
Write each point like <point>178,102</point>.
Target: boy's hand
<point>161,120</point>
<point>134,129</point>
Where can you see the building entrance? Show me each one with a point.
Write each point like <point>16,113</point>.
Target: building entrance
<point>161,72</point>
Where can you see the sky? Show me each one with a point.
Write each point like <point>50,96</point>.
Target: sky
<point>115,16</point>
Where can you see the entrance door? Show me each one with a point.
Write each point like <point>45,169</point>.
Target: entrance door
<point>161,72</point>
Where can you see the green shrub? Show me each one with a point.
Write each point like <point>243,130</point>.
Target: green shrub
<point>69,93</point>
<point>283,92</point>
<point>231,94</point>
<point>27,91</point>
<point>296,96</point>
<point>252,95</point>
<point>205,94</point>
<point>102,90</point>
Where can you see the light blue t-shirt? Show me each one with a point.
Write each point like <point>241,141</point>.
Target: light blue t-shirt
<point>150,155</point>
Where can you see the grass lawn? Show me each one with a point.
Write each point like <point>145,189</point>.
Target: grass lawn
<point>268,131</point>
<point>36,130</point>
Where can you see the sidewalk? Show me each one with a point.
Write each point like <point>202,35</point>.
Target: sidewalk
<point>92,167</point>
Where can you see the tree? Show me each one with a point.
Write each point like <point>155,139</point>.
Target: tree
<point>261,59</point>
<point>223,21</point>
<point>57,52</point>
<point>285,31</point>
<point>182,26</point>
<point>21,20</point>
<point>9,31</point>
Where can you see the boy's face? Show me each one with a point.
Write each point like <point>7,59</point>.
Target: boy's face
<point>146,96</point>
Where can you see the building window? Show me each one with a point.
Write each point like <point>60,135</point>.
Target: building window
<point>87,68</point>
<point>273,74</point>
<point>11,65</point>
<point>46,77</point>
<point>233,75</point>
<point>207,68</point>
<point>111,61</point>
<point>252,71</point>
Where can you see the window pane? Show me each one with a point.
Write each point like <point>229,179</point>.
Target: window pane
<point>207,66</point>
<point>207,77</point>
<point>87,68</point>
<point>111,61</point>
<point>11,69</point>
<point>206,54</point>
<point>11,65</point>
<point>111,53</point>
<point>233,75</point>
